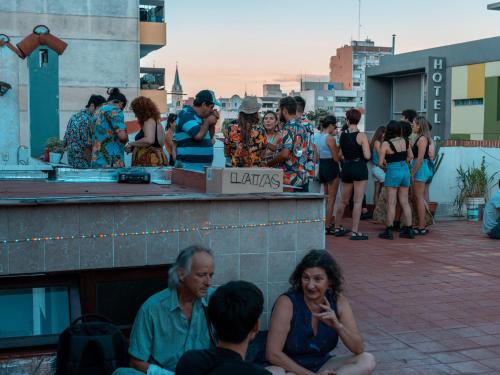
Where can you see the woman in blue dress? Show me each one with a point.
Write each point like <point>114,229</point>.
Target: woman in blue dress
<point>308,320</point>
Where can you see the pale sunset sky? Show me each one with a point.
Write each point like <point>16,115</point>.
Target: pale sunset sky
<point>226,45</point>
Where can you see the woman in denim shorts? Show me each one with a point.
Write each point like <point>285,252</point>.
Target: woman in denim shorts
<point>377,172</point>
<point>396,153</point>
<point>421,171</point>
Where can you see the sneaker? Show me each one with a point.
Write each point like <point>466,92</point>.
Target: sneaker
<point>386,234</point>
<point>407,232</point>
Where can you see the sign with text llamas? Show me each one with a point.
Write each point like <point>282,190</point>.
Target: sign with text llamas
<point>244,180</point>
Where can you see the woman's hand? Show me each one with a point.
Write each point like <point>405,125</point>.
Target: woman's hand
<point>328,316</point>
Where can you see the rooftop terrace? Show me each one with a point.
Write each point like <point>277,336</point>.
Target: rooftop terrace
<point>426,306</point>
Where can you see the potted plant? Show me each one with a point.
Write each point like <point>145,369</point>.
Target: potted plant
<point>55,148</point>
<point>473,189</point>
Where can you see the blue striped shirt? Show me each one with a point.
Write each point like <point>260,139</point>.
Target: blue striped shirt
<point>188,149</point>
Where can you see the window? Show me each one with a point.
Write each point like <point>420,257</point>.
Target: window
<point>321,98</point>
<point>43,57</point>
<point>463,102</point>
<point>330,98</point>
<point>34,310</point>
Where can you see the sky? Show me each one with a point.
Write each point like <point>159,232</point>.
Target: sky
<point>232,45</point>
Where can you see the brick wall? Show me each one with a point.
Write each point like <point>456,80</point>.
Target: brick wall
<point>464,143</point>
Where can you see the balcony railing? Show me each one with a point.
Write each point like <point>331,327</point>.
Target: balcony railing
<point>152,11</point>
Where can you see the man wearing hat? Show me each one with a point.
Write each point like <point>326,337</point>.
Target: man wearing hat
<point>194,131</point>
<point>245,141</point>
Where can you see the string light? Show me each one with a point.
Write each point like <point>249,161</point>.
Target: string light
<point>204,228</point>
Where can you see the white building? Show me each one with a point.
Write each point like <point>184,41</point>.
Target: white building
<point>106,40</point>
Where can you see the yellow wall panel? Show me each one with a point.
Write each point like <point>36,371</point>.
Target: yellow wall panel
<point>459,82</point>
<point>475,81</point>
<point>492,69</point>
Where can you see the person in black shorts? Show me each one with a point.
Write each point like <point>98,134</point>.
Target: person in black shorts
<point>234,310</point>
<point>355,150</point>
<point>327,153</point>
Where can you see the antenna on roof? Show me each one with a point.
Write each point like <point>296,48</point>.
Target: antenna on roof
<point>359,19</point>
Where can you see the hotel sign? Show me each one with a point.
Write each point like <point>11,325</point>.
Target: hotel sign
<point>436,91</point>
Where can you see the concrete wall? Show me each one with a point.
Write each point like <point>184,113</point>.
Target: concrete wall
<point>263,255</point>
<point>444,186</point>
<point>378,102</point>
<point>103,48</point>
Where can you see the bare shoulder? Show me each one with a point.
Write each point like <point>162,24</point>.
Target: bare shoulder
<point>343,305</point>
<point>283,305</point>
<point>362,138</point>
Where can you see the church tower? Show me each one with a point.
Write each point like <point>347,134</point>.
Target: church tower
<point>176,92</point>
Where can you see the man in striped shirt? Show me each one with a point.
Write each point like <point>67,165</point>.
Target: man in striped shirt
<point>195,130</point>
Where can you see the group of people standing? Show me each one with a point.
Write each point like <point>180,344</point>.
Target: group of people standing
<point>284,140</point>
<point>97,137</point>
<point>401,155</point>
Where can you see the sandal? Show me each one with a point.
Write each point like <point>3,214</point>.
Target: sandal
<point>358,236</point>
<point>420,231</point>
<point>330,231</point>
<point>340,231</point>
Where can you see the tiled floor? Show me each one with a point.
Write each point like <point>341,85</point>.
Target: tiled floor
<point>429,305</point>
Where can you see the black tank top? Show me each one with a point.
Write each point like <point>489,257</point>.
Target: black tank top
<point>397,156</point>
<point>350,148</point>
<point>140,135</point>
<point>414,149</point>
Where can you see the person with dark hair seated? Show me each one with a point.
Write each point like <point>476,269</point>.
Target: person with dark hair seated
<point>308,320</point>
<point>234,310</point>
<point>491,216</point>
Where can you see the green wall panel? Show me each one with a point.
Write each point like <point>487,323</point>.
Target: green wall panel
<point>492,109</point>
<point>43,65</point>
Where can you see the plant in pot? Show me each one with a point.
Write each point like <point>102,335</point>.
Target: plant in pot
<point>55,147</point>
<point>473,189</point>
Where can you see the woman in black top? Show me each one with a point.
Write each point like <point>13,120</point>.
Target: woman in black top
<point>396,153</point>
<point>355,150</point>
<point>148,146</point>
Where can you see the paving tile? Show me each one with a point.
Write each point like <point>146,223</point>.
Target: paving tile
<point>480,353</point>
<point>450,357</point>
<point>470,367</point>
<point>429,308</point>
<point>493,363</point>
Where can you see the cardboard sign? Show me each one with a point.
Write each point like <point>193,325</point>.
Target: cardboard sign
<point>244,180</point>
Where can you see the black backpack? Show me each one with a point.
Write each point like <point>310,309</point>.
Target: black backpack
<point>96,348</point>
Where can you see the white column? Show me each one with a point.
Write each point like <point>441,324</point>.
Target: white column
<point>9,107</point>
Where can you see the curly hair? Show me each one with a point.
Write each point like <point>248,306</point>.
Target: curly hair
<point>144,109</point>
<point>321,259</point>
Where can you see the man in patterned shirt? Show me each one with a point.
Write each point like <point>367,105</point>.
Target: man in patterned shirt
<point>293,156</point>
<point>78,136</point>
<point>308,125</point>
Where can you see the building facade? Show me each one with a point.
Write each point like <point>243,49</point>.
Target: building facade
<point>349,65</point>
<point>272,90</point>
<point>457,87</point>
<point>106,40</point>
